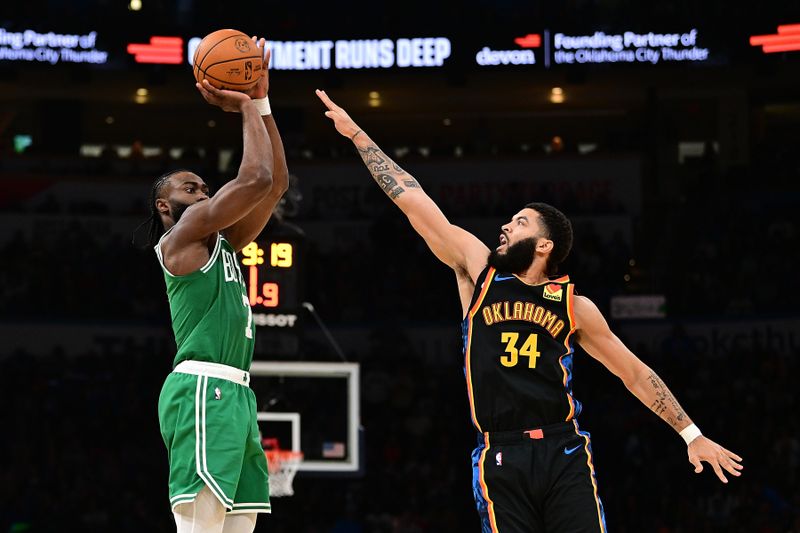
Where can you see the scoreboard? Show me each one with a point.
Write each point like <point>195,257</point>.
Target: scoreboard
<point>271,270</point>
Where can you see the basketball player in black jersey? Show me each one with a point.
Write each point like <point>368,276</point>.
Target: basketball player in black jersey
<point>532,470</point>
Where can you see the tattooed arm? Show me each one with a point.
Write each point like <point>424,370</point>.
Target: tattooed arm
<point>599,341</point>
<point>452,245</point>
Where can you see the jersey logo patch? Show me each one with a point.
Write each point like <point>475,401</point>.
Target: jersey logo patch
<point>499,458</point>
<point>217,393</point>
<point>554,292</point>
<point>503,278</point>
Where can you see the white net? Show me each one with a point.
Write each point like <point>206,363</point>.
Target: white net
<point>282,468</point>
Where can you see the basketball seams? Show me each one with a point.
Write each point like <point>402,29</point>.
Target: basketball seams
<point>230,61</point>
<point>201,69</point>
<point>239,34</point>
<point>226,82</point>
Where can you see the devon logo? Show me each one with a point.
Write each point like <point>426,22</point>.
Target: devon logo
<point>554,292</point>
<point>525,56</point>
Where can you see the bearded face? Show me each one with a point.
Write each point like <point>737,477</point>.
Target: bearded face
<point>516,259</point>
<point>177,209</point>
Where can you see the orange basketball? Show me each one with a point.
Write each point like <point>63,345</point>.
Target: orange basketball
<point>228,59</point>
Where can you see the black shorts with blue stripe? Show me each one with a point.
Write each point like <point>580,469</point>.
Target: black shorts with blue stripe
<point>537,480</point>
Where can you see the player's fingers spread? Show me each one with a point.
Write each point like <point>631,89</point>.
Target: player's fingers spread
<point>733,464</point>
<point>727,465</point>
<point>732,455</point>
<point>698,466</point>
<point>718,471</point>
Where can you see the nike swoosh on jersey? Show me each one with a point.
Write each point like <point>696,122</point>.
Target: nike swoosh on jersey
<point>503,278</point>
<point>569,451</point>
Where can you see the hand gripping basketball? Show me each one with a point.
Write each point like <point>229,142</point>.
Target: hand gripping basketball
<point>230,101</point>
<point>261,88</point>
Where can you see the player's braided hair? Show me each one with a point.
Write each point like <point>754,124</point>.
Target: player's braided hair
<point>558,229</point>
<point>155,227</point>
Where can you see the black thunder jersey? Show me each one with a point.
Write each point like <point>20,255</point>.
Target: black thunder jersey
<point>518,353</point>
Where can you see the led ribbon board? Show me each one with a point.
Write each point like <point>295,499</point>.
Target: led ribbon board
<point>50,47</point>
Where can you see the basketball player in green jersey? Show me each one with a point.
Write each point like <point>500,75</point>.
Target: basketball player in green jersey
<point>218,473</point>
<point>532,469</point>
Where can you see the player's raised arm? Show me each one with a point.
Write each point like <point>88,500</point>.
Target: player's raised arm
<point>253,182</point>
<point>600,342</point>
<point>451,244</point>
<point>245,230</point>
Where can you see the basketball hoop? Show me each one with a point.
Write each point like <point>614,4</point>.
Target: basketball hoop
<point>282,466</point>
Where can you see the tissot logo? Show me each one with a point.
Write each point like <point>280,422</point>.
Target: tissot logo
<point>489,57</point>
<point>786,40</point>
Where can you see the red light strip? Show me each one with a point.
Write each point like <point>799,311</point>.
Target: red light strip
<point>786,40</point>
<point>160,50</point>
<point>782,48</point>
<point>532,40</point>
<point>757,40</point>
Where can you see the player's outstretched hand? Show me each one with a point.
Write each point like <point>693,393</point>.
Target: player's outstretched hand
<point>261,88</point>
<point>231,101</point>
<point>703,449</point>
<point>341,120</point>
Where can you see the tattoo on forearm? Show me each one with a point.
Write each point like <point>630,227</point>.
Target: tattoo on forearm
<point>389,185</point>
<point>386,173</point>
<point>658,407</point>
<point>371,155</point>
<point>666,405</point>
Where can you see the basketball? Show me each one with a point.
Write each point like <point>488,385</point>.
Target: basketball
<point>228,59</point>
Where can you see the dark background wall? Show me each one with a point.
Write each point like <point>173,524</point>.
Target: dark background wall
<point>681,181</point>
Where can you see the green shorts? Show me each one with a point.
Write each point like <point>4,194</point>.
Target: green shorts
<point>209,427</point>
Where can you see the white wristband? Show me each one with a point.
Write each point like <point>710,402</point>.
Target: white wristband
<point>689,433</point>
<point>262,104</point>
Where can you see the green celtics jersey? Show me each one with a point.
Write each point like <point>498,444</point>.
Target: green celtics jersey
<point>211,315</point>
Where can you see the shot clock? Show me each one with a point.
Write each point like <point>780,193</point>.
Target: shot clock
<point>271,272</point>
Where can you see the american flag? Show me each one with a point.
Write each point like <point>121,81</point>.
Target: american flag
<point>333,450</point>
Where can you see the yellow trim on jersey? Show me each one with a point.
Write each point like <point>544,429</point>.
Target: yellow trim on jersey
<point>570,307</point>
<point>486,283</point>
<point>569,396</point>
<point>484,487</point>
<point>592,477</point>
<point>572,329</point>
